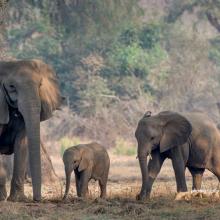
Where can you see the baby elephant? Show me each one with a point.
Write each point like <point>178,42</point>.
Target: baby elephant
<point>89,161</point>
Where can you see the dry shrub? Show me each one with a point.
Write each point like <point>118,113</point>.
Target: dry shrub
<point>201,194</point>
<point>109,125</point>
<point>100,209</point>
<point>132,209</point>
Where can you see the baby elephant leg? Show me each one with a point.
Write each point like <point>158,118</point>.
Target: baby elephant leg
<point>102,185</point>
<point>197,174</point>
<point>83,184</point>
<point>77,178</point>
<point>3,177</point>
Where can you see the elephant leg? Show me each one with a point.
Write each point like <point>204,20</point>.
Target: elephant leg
<point>84,180</point>
<point>179,169</point>
<point>3,178</point>
<point>20,162</point>
<point>214,165</point>
<point>197,174</point>
<point>77,179</point>
<point>102,185</point>
<point>216,172</point>
<point>154,167</point>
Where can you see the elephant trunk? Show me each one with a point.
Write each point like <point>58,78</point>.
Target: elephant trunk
<point>30,110</point>
<point>68,177</point>
<point>142,156</point>
<point>144,173</point>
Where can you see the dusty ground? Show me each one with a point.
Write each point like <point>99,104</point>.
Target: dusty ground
<point>124,183</point>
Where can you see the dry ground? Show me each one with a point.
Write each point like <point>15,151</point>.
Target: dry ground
<point>124,183</point>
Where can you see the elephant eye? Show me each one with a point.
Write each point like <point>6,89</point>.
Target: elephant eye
<point>12,88</point>
<point>152,138</point>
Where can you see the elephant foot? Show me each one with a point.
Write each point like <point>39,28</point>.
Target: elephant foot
<point>84,195</point>
<point>18,197</point>
<point>3,193</point>
<point>80,199</point>
<point>142,196</point>
<point>65,197</point>
<point>103,196</point>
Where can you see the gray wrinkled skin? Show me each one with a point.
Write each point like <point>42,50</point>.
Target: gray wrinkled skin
<point>190,140</point>
<point>29,94</point>
<point>88,161</point>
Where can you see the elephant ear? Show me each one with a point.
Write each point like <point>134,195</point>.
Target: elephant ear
<point>176,130</point>
<point>4,112</point>
<point>49,89</point>
<point>85,161</point>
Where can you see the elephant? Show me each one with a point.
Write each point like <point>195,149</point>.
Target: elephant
<point>89,161</point>
<point>29,93</point>
<point>190,140</point>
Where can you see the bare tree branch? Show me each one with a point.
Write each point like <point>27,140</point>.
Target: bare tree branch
<point>213,21</point>
<point>110,96</point>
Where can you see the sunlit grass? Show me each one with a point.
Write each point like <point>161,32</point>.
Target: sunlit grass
<point>67,142</point>
<point>123,147</point>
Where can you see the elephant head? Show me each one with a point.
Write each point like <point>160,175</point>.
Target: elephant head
<point>163,131</point>
<point>75,158</point>
<point>31,87</point>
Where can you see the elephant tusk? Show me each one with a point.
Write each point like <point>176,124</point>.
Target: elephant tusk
<point>137,157</point>
<point>147,156</point>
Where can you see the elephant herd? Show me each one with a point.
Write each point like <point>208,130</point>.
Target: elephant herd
<point>29,93</point>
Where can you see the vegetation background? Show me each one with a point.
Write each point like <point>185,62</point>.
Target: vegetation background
<point>116,59</point>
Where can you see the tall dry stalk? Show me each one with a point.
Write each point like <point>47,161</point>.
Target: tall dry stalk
<point>3,21</point>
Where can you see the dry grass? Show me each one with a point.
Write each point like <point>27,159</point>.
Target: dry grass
<point>124,183</point>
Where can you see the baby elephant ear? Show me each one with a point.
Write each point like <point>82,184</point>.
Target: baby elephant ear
<point>85,162</point>
<point>176,130</point>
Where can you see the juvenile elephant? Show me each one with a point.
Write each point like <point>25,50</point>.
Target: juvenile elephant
<point>190,140</point>
<point>29,93</point>
<point>89,161</point>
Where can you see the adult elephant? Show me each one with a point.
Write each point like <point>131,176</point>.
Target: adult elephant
<point>190,140</point>
<point>29,94</point>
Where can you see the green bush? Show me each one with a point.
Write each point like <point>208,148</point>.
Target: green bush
<point>111,33</point>
<point>128,67</point>
<point>128,60</point>
<point>149,36</point>
<point>129,36</point>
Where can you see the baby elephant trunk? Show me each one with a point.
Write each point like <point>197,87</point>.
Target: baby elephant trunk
<point>68,176</point>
